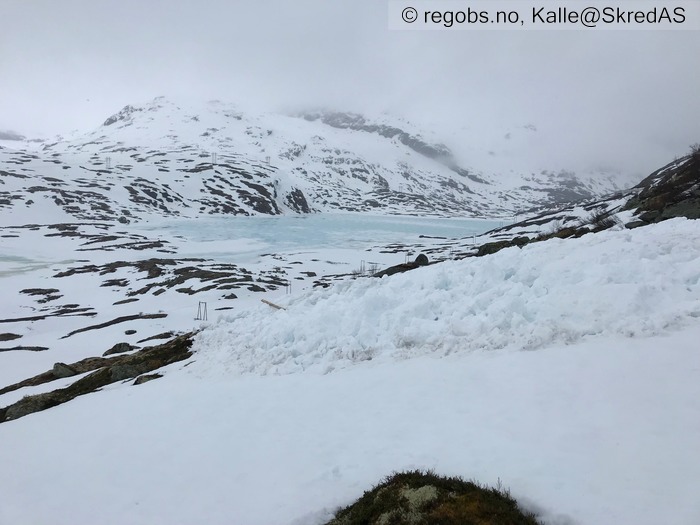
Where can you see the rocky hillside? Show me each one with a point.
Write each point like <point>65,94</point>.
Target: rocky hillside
<point>669,192</point>
<point>672,191</point>
<point>170,160</point>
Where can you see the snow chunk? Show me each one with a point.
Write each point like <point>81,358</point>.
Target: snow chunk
<point>632,283</point>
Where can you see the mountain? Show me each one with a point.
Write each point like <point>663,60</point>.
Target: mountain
<point>166,159</point>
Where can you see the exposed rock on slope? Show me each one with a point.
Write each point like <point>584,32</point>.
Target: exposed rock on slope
<point>104,372</point>
<point>168,160</point>
<point>672,191</point>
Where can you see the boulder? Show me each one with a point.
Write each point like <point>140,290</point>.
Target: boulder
<point>492,247</point>
<point>146,378</point>
<point>119,348</point>
<point>61,370</point>
<point>421,260</point>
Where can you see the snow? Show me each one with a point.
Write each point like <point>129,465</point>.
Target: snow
<point>154,149</point>
<point>615,282</point>
<point>319,244</point>
<point>567,369</point>
<point>599,433</point>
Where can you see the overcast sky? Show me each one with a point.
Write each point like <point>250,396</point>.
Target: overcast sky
<point>630,98</point>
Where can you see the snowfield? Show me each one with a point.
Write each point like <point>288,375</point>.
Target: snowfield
<point>560,291</point>
<point>284,415</point>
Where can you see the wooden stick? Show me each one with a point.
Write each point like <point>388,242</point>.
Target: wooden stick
<point>276,306</point>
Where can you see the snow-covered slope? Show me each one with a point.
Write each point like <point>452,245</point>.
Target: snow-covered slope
<point>614,282</point>
<point>597,423</point>
<point>169,159</point>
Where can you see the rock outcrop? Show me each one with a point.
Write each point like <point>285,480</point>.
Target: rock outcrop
<point>119,348</point>
<point>672,191</point>
<point>104,372</point>
<point>421,260</point>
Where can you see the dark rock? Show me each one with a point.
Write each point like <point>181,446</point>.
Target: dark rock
<point>125,371</point>
<point>163,335</point>
<point>146,378</point>
<point>119,348</point>
<point>649,216</point>
<point>105,371</point>
<point>565,233</point>
<point>123,220</point>
<point>124,115</point>
<point>689,208</point>
<point>25,348</point>
<point>9,337</point>
<point>115,282</point>
<point>422,260</point>
<point>669,192</point>
<point>492,247</point>
<point>129,332</point>
<point>399,268</point>
<point>61,370</point>
<point>49,294</point>
<point>30,404</point>
<point>125,301</point>
<point>297,201</point>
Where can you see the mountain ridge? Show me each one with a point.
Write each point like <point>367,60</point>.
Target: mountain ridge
<point>174,160</point>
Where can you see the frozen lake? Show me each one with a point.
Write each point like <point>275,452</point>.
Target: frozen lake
<point>243,240</point>
<point>321,231</point>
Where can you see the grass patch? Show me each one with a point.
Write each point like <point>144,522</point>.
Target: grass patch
<point>601,219</point>
<point>424,498</point>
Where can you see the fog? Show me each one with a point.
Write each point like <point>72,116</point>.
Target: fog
<point>622,99</point>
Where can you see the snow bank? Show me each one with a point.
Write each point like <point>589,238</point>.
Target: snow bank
<point>632,283</point>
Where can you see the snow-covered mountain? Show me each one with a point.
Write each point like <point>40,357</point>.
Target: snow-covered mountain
<point>173,160</point>
<point>363,376</point>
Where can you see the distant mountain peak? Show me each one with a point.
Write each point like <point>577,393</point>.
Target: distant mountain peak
<point>122,116</point>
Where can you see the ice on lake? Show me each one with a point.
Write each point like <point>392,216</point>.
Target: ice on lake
<point>242,236</point>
